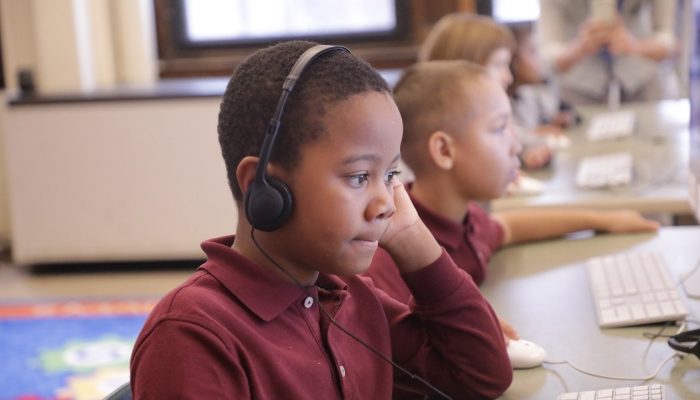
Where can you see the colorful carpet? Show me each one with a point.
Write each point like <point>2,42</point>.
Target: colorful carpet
<point>76,350</point>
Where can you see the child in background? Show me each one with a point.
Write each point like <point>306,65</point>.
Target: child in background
<point>536,104</point>
<point>459,144</point>
<point>479,39</point>
<point>277,311</point>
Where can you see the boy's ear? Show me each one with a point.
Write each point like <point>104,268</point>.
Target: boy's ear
<point>245,172</point>
<point>441,150</point>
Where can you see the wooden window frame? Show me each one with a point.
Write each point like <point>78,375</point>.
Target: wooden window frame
<point>178,60</point>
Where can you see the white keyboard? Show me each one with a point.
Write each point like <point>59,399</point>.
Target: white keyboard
<point>614,169</point>
<point>633,289</point>
<point>611,125</point>
<point>645,392</point>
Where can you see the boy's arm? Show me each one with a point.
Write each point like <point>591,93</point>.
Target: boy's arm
<point>537,224</point>
<point>449,335</point>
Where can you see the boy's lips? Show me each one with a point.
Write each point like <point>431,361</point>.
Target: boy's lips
<point>367,241</point>
<point>365,246</point>
<point>513,175</point>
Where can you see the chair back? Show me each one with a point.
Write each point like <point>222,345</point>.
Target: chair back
<point>123,392</point>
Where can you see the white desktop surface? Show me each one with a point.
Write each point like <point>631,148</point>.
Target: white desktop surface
<point>659,147</point>
<point>542,290</point>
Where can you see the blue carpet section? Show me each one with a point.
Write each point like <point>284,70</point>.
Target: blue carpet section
<point>66,358</point>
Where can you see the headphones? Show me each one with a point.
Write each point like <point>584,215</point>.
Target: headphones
<point>686,342</point>
<point>268,201</point>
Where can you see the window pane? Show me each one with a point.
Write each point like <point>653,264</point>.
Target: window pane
<point>226,20</point>
<point>516,10</point>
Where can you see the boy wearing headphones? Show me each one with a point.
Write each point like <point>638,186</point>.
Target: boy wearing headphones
<point>278,311</point>
<point>459,143</point>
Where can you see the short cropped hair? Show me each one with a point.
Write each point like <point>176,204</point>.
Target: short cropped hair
<point>465,36</point>
<point>435,96</point>
<point>252,93</point>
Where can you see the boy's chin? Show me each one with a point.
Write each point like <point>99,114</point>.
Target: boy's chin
<point>353,270</point>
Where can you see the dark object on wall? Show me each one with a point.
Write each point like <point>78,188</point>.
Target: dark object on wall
<point>25,80</point>
<point>484,7</point>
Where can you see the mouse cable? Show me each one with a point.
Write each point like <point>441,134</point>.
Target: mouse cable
<point>620,378</point>
<point>350,334</point>
<point>676,354</point>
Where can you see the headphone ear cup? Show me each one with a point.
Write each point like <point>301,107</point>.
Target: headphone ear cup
<point>269,204</point>
<point>686,342</point>
<point>679,346</point>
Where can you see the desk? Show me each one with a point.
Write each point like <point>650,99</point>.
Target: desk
<point>542,290</point>
<point>660,150</point>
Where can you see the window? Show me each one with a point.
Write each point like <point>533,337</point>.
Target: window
<point>206,22</point>
<point>509,11</point>
<point>209,37</point>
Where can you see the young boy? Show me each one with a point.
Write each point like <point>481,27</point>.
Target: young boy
<point>459,144</point>
<point>480,39</point>
<point>278,311</point>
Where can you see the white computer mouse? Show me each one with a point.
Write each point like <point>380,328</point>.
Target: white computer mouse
<point>525,354</point>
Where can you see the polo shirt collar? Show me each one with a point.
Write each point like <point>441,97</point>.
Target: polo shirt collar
<point>448,233</point>
<point>262,292</point>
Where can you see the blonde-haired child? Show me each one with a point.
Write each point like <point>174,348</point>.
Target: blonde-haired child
<point>459,143</point>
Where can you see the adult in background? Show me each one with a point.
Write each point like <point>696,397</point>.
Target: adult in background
<point>610,50</point>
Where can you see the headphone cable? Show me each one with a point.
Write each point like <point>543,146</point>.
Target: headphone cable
<point>350,334</point>
<point>676,354</point>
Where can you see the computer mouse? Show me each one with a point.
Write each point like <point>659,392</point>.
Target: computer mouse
<point>525,354</point>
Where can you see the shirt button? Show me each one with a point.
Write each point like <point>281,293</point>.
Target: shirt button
<point>342,371</point>
<point>308,302</point>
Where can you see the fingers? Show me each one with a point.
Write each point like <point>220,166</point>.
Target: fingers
<point>509,332</point>
<point>396,182</point>
<point>631,221</point>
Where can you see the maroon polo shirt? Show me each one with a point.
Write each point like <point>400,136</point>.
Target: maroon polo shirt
<point>470,244</point>
<point>235,330</point>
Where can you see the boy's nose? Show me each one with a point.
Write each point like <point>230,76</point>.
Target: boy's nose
<point>381,205</point>
<point>508,77</point>
<point>515,145</point>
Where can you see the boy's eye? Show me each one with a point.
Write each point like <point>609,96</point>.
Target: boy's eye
<point>389,177</point>
<point>358,180</point>
<point>500,129</point>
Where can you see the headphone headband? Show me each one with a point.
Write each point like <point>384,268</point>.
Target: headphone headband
<point>274,125</point>
<point>269,202</point>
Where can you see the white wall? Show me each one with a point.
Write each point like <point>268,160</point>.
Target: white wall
<point>79,45</point>
<point>47,176</point>
<point>17,39</point>
<point>116,181</point>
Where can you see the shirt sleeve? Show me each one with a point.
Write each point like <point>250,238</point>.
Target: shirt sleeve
<point>187,361</point>
<point>449,334</point>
